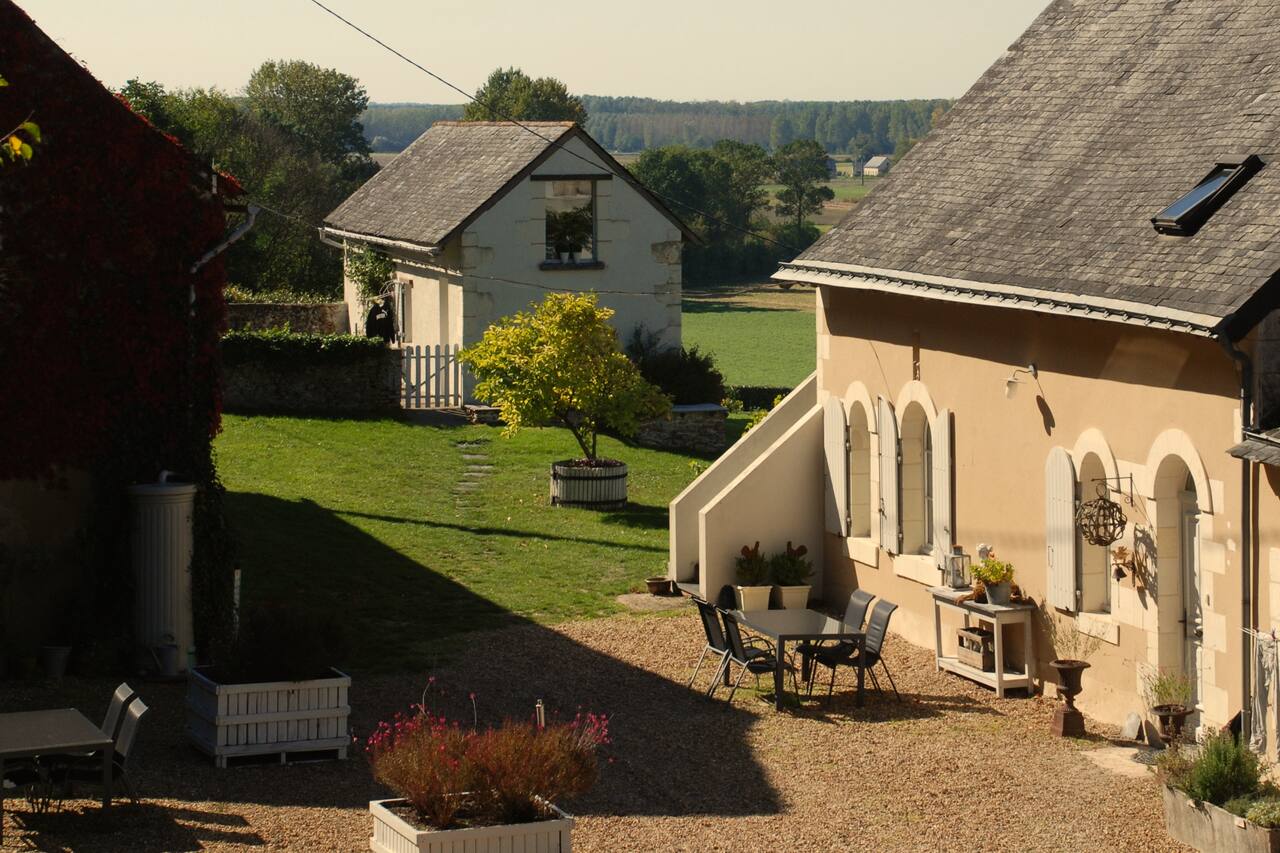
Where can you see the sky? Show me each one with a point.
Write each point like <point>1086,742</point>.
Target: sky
<point>744,50</point>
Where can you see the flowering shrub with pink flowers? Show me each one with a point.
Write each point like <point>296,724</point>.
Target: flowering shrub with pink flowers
<point>452,774</point>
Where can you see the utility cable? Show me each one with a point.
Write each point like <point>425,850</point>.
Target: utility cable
<point>554,143</point>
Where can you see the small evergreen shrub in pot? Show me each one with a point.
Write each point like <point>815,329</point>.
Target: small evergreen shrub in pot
<point>753,578</point>
<point>790,570</point>
<point>492,788</point>
<point>1213,794</point>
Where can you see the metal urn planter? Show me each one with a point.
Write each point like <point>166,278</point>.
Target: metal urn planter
<point>602,485</point>
<point>1067,719</point>
<point>1172,719</point>
<point>394,834</point>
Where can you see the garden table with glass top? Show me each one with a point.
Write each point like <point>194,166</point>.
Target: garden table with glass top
<point>785,626</point>
<point>64,731</point>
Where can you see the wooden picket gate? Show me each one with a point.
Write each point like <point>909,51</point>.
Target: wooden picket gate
<point>431,376</point>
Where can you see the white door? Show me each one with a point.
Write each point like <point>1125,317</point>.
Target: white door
<point>1192,600</point>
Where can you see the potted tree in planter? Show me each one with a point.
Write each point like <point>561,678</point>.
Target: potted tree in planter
<point>562,365</point>
<point>753,579</point>
<point>996,577</point>
<point>1071,652</point>
<point>1215,799</point>
<point>790,570</point>
<point>459,787</point>
<point>272,690</point>
<point>1169,695</point>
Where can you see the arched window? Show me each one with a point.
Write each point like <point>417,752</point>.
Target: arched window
<point>1093,570</point>
<point>859,471</point>
<point>916,450</point>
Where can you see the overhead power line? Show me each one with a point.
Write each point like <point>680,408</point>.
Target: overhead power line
<point>554,143</point>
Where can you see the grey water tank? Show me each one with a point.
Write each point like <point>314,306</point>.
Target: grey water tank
<point>161,547</point>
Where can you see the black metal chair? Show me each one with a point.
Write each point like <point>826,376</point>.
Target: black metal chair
<point>88,769</point>
<point>847,653</point>
<point>757,656</point>
<point>716,643</point>
<point>854,614</point>
<point>119,701</point>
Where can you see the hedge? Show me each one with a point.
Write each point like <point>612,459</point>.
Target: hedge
<point>283,347</point>
<point>757,396</point>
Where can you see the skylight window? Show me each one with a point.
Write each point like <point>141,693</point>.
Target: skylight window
<point>1185,216</point>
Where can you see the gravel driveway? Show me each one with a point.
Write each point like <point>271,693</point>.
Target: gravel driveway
<point>948,768</point>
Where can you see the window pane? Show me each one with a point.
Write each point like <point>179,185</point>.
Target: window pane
<point>570,221</point>
<point>1180,207</point>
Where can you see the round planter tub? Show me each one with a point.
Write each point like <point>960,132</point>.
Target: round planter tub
<point>592,487</point>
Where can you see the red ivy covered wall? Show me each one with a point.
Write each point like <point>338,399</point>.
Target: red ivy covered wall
<point>104,366</point>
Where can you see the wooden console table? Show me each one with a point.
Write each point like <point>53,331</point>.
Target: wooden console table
<point>997,615</point>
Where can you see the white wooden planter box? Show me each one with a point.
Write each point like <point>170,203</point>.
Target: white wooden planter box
<point>1204,826</point>
<point>227,720</point>
<point>392,834</point>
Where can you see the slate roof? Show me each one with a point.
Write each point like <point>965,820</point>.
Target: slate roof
<point>453,172</point>
<point>1263,447</point>
<point>877,162</point>
<point>1045,175</point>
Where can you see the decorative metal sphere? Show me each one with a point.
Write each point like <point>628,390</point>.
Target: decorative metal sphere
<point>1101,521</point>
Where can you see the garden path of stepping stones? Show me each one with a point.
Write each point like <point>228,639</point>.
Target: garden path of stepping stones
<point>477,469</point>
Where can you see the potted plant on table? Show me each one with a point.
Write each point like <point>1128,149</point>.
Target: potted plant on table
<point>459,786</point>
<point>790,570</point>
<point>1072,649</point>
<point>1169,696</point>
<point>753,579</point>
<point>562,365</point>
<point>996,577</point>
<point>273,689</point>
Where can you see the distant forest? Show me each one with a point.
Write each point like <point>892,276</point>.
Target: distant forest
<point>860,129</point>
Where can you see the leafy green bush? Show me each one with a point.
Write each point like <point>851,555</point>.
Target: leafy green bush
<point>790,568</point>
<point>239,293</point>
<point>753,569</point>
<point>285,348</point>
<point>1265,812</point>
<point>370,269</point>
<point>758,396</point>
<point>1239,806</point>
<point>685,375</point>
<point>1223,769</point>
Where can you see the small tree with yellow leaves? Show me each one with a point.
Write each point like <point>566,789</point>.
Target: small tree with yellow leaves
<point>562,364</point>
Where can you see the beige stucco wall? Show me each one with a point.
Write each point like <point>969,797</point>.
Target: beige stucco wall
<point>1136,396</point>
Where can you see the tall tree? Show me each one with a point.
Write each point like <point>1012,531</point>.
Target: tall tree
<point>319,108</point>
<point>802,171</point>
<point>511,94</point>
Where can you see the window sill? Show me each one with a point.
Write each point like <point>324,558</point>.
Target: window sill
<point>920,568</point>
<point>863,549</point>
<point>1100,625</point>
<point>577,265</point>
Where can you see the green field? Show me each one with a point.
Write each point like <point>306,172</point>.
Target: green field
<point>759,334</point>
<point>368,520</point>
<point>846,189</point>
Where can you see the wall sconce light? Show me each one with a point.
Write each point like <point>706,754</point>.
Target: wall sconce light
<point>1011,384</point>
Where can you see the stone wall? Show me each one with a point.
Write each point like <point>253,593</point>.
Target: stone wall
<point>328,318</point>
<point>363,386</point>
<point>699,428</point>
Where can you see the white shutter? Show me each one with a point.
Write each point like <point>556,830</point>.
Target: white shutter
<point>835,442</point>
<point>887,429</point>
<point>943,511</point>
<point>1060,528</point>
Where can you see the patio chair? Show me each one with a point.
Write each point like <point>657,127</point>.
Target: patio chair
<point>854,614</point>
<point>89,769</point>
<point>846,654</point>
<point>756,656</point>
<point>119,700</point>
<point>716,643</point>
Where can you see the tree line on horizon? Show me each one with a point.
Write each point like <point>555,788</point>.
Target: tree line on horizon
<point>860,129</point>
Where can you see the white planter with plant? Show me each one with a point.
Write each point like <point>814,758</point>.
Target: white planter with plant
<point>790,570</point>
<point>562,365</point>
<point>996,577</point>
<point>753,579</point>
<point>463,788</point>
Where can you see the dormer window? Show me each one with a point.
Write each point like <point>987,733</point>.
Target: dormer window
<point>1185,216</point>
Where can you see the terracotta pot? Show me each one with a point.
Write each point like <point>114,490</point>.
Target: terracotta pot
<point>1172,720</point>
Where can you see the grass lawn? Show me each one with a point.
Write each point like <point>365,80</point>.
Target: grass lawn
<point>846,188</point>
<point>366,519</point>
<point>758,333</point>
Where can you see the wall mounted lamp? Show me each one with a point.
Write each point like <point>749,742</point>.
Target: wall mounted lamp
<point>1011,384</point>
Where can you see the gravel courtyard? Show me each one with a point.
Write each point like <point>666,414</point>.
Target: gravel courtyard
<point>948,768</point>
